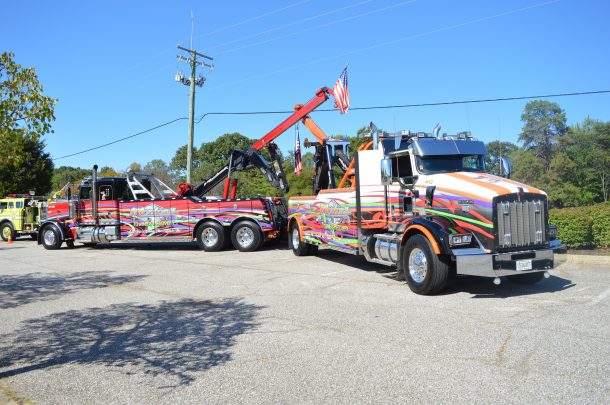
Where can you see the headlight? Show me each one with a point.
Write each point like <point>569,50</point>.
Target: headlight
<point>460,239</point>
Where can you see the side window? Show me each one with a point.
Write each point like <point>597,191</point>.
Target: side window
<point>3,205</point>
<point>19,204</point>
<point>105,192</point>
<point>84,193</point>
<point>401,166</point>
<point>11,205</point>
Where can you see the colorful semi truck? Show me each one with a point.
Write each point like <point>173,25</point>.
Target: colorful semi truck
<point>20,215</point>
<point>424,204</point>
<point>141,208</point>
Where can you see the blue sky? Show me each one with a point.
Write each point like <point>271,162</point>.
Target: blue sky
<point>111,64</point>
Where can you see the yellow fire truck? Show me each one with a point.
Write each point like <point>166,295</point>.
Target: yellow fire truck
<point>20,215</point>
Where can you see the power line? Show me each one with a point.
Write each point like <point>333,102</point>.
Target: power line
<point>382,107</point>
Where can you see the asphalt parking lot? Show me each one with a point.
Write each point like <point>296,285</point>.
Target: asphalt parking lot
<point>172,324</point>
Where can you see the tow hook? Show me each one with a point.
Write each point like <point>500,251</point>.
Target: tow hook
<point>497,281</point>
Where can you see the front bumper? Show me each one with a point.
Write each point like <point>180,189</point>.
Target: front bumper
<point>475,262</point>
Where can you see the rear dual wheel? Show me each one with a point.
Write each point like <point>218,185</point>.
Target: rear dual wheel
<point>211,236</point>
<point>246,236</point>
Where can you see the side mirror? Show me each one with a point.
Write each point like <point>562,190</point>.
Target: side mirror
<point>386,172</point>
<point>505,167</point>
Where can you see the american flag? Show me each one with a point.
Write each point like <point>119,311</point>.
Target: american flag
<point>298,163</point>
<point>342,93</point>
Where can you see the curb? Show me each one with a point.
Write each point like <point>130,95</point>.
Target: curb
<point>588,259</point>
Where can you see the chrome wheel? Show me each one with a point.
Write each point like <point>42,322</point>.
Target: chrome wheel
<point>295,238</point>
<point>49,237</point>
<point>209,237</point>
<point>418,265</point>
<point>245,236</point>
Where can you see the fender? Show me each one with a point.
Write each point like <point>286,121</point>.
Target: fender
<point>54,224</point>
<point>433,231</point>
<point>239,219</point>
<point>291,220</point>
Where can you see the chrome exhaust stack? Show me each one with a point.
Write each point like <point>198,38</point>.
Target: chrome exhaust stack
<point>94,195</point>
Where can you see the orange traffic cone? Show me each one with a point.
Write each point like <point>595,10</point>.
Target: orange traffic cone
<point>10,238</point>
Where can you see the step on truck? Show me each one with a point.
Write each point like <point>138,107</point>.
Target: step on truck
<point>424,204</point>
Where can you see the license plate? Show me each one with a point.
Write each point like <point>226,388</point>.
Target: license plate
<point>524,265</point>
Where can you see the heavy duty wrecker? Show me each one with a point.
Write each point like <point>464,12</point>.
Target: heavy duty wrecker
<point>141,208</point>
<point>423,203</point>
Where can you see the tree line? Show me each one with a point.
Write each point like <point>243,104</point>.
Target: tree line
<point>571,163</point>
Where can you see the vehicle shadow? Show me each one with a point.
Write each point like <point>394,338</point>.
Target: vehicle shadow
<point>16,290</point>
<point>479,287</point>
<point>175,339</point>
<point>483,287</point>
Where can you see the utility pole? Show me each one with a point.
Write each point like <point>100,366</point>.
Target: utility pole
<point>192,81</point>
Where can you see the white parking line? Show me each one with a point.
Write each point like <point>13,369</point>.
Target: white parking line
<point>335,272</point>
<point>601,297</point>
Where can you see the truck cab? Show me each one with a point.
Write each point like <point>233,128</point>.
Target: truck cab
<point>424,204</point>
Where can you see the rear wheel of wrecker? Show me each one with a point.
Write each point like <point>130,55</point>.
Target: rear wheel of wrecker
<point>298,247</point>
<point>426,272</point>
<point>246,236</point>
<point>6,231</point>
<point>51,238</point>
<point>211,236</point>
<point>528,278</point>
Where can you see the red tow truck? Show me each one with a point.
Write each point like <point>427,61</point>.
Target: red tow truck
<point>141,208</point>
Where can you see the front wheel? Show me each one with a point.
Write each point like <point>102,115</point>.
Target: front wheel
<point>211,236</point>
<point>51,238</point>
<point>246,236</point>
<point>298,247</point>
<point>426,272</point>
<point>6,232</point>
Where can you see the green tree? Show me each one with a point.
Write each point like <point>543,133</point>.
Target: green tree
<point>26,115</point>
<point>161,170</point>
<point>544,123</point>
<point>495,151</point>
<point>67,174</point>
<point>588,144</point>
<point>107,171</point>
<point>24,166</point>
<point>212,156</point>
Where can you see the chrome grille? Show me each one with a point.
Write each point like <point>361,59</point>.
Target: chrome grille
<point>520,222</point>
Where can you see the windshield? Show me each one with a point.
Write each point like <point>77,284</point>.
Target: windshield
<point>450,163</point>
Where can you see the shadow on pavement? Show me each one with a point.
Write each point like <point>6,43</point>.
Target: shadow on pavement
<point>479,287</point>
<point>171,338</point>
<point>483,287</point>
<point>16,290</point>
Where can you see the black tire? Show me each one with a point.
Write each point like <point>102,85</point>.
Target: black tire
<point>7,230</point>
<point>299,248</point>
<point>527,278</point>
<point>50,238</point>
<point>246,236</point>
<point>426,272</point>
<point>70,244</point>
<point>211,236</point>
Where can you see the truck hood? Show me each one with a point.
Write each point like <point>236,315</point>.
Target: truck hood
<point>475,186</point>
